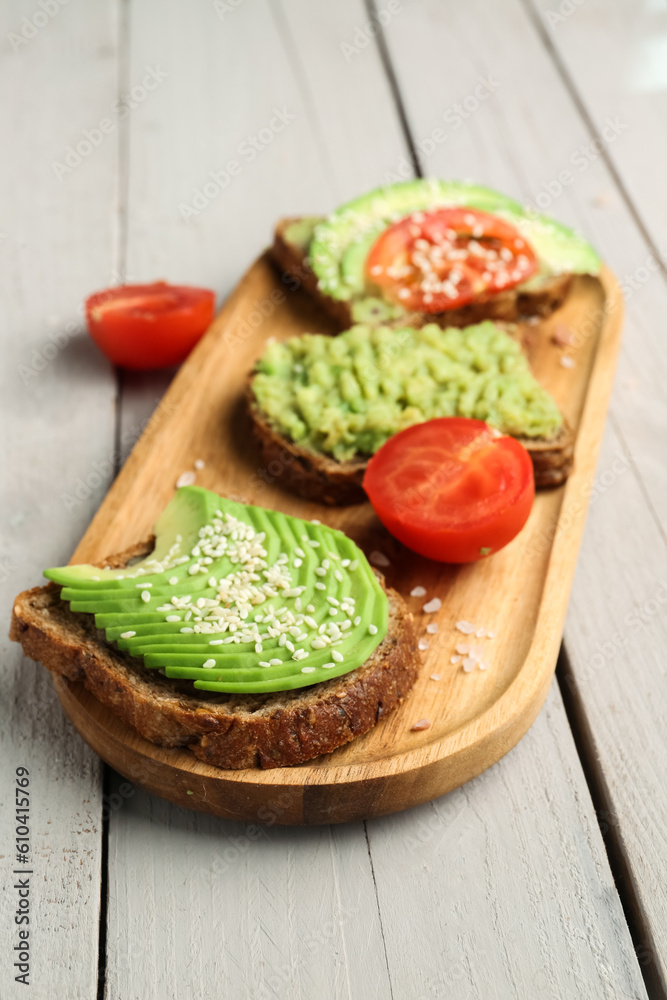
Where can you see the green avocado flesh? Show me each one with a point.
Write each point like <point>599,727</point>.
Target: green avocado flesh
<point>346,395</point>
<point>341,243</point>
<point>237,598</point>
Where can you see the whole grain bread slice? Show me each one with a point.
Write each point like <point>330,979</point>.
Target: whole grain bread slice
<point>322,478</point>
<point>228,731</point>
<point>511,306</point>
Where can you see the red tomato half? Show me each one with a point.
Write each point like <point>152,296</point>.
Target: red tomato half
<point>451,489</point>
<point>149,326</point>
<point>434,261</point>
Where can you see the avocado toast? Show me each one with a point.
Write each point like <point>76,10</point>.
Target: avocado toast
<point>250,637</point>
<point>321,406</point>
<point>332,258</point>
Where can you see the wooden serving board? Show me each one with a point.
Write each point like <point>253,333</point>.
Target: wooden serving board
<point>520,594</point>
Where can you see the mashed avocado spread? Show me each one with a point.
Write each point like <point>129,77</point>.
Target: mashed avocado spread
<point>237,598</point>
<point>346,395</point>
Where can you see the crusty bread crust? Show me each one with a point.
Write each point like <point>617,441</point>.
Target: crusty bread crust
<point>228,731</point>
<point>510,306</point>
<point>326,480</point>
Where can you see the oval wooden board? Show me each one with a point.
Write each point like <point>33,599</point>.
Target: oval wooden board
<point>521,593</point>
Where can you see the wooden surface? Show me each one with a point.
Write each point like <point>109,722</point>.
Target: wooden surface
<point>520,595</point>
<point>504,888</point>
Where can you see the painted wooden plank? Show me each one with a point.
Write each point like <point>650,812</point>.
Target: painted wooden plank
<point>513,143</point>
<point>57,244</point>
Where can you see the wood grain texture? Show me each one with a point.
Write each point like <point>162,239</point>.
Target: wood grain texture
<point>57,244</point>
<point>623,548</point>
<point>475,718</point>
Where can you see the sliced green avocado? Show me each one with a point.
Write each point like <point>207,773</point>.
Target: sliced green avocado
<point>237,598</point>
<point>345,396</point>
<point>341,242</point>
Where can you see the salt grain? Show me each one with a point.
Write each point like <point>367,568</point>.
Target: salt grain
<point>436,677</point>
<point>199,463</point>
<point>466,627</point>
<point>418,592</point>
<point>432,606</point>
<point>423,644</point>
<point>432,628</point>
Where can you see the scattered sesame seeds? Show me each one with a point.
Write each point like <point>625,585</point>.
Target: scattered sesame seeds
<point>328,666</point>
<point>185,479</point>
<point>418,592</point>
<point>307,670</point>
<point>143,585</point>
<point>419,726</point>
<point>320,571</point>
<point>357,620</point>
<point>216,642</point>
<point>436,677</point>
<point>354,565</point>
<point>373,629</point>
<point>310,608</point>
<point>145,596</point>
<point>432,628</point>
<point>320,586</point>
<point>127,635</point>
<point>173,580</point>
<point>173,618</point>
<point>454,659</point>
<point>264,663</point>
<point>433,606</point>
<point>208,664</point>
<point>422,644</point>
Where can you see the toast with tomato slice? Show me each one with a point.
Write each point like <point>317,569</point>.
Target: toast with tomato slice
<point>290,254</point>
<point>323,479</point>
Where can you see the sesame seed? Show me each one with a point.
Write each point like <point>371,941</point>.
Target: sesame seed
<point>187,629</point>
<point>290,645</point>
<point>313,543</point>
<point>259,648</point>
<point>264,663</point>
<point>173,580</point>
<point>432,628</point>
<point>455,659</point>
<point>320,586</point>
<point>320,571</point>
<point>298,563</point>
<point>275,662</point>
<point>145,596</point>
<point>422,724</point>
<point>378,558</point>
<point>373,629</point>
<point>127,635</point>
<point>208,664</point>
<point>357,620</point>
<point>338,575</point>
<point>173,618</point>
<point>310,608</point>
<point>307,670</point>
<point>299,551</point>
<point>338,657</point>
<point>423,644</point>
<point>328,666</point>
<point>354,565</point>
<point>466,627</point>
<point>333,600</point>
<point>418,592</point>
<point>199,463</point>
<point>433,606</point>
<point>216,642</point>
<point>436,677</point>
<point>143,585</point>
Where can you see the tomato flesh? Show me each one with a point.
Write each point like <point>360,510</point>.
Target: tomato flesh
<point>149,326</point>
<point>451,489</point>
<point>444,259</point>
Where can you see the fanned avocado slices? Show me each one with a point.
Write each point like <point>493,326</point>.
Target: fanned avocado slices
<point>237,598</point>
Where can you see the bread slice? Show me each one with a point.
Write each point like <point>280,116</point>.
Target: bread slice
<point>228,731</point>
<point>510,306</point>
<point>322,478</point>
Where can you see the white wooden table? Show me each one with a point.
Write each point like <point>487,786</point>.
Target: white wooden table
<point>545,877</point>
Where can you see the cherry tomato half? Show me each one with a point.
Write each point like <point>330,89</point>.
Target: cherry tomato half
<point>439,260</point>
<point>149,326</point>
<point>451,489</point>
